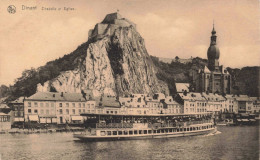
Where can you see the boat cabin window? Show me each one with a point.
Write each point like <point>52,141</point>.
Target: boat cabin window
<point>145,131</point>
<point>178,130</point>
<point>149,131</point>
<point>109,133</point>
<point>119,132</point>
<point>166,131</point>
<point>158,131</point>
<point>125,133</point>
<point>171,130</point>
<point>162,131</point>
<point>114,132</point>
<point>102,133</point>
<point>130,132</point>
<point>184,129</point>
<point>135,132</point>
<point>140,131</point>
<point>197,128</point>
<point>154,131</point>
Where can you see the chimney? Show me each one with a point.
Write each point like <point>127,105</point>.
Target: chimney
<point>61,94</point>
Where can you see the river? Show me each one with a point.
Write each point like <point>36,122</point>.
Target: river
<point>239,142</point>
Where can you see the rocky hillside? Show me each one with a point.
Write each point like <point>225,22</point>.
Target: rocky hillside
<point>246,80</point>
<point>115,63</point>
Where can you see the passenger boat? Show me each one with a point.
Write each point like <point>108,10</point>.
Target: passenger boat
<point>144,127</point>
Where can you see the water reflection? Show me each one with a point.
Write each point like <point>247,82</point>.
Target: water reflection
<point>232,143</point>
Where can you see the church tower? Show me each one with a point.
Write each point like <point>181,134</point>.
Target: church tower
<point>213,52</point>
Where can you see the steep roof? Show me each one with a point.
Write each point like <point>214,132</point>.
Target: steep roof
<point>4,106</point>
<point>19,100</point>
<point>107,102</point>
<point>181,87</point>
<point>192,96</point>
<point>206,70</point>
<point>213,97</point>
<point>169,100</point>
<point>243,98</point>
<point>54,96</point>
<point>3,114</point>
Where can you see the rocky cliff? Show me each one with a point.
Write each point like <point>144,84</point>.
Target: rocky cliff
<point>115,63</point>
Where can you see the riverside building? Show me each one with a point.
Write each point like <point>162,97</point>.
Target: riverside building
<point>60,108</point>
<point>17,107</point>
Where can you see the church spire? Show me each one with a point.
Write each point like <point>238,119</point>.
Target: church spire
<point>213,51</point>
<point>213,30</point>
<point>213,36</point>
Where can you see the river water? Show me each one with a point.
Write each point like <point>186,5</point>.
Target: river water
<point>240,142</point>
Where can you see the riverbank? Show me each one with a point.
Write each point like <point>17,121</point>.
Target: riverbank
<point>36,131</point>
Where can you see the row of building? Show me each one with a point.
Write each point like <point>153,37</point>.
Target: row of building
<point>61,108</point>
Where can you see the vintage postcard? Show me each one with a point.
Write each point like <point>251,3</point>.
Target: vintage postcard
<point>129,79</point>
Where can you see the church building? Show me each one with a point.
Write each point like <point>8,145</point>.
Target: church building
<point>212,78</point>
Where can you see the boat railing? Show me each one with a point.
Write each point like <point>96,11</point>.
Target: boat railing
<point>150,125</point>
<point>114,125</point>
<point>177,124</point>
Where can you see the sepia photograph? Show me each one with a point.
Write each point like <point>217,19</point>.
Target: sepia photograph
<point>129,79</point>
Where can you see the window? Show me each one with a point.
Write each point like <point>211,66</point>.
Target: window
<point>35,111</point>
<point>114,132</point>
<point>29,111</point>
<point>60,111</point>
<point>42,112</point>
<point>88,105</point>
<point>47,104</point>
<point>73,104</point>
<point>29,104</point>
<point>41,104</point>
<point>67,111</point>
<point>83,110</point>
<point>47,111</point>
<point>79,105</point>
<point>107,111</point>
<point>115,112</point>
<point>52,104</point>
<point>73,111</point>
<point>60,104</point>
<point>84,105</point>
<point>67,105</point>
<point>35,104</point>
<point>79,111</point>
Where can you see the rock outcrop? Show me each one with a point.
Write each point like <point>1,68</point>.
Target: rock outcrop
<point>116,63</point>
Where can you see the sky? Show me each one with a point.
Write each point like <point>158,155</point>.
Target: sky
<point>170,28</point>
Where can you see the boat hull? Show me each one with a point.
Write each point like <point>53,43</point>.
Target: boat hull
<point>146,136</point>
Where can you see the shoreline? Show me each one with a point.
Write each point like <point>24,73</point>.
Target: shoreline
<point>37,131</point>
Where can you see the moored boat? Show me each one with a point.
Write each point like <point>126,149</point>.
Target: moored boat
<point>145,127</point>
